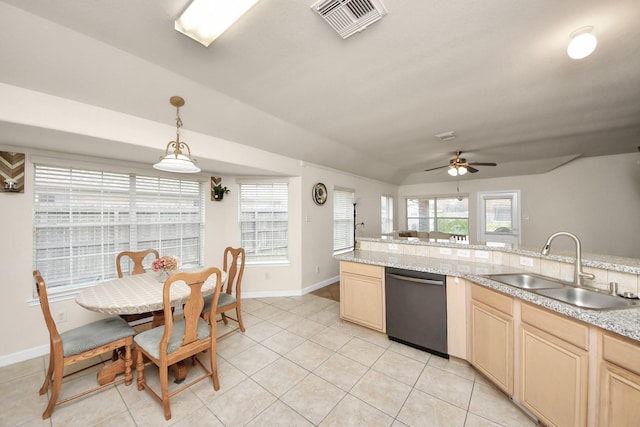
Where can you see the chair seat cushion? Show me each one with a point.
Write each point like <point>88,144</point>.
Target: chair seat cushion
<point>225,299</point>
<point>94,335</point>
<point>150,340</point>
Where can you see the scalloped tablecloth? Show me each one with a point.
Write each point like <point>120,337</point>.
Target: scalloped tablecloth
<point>141,293</point>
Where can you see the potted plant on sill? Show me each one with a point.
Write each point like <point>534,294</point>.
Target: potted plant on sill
<point>219,191</point>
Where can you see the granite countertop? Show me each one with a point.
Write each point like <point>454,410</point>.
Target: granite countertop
<point>625,322</point>
<point>607,262</point>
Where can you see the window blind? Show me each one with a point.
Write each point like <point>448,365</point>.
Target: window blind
<point>84,218</point>
<point>386,214</point>
<point>264,221</point>
<point>343,224</point>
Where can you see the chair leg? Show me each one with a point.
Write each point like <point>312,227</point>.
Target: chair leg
<point>140,369</point>
<point>214,366</point>
<point>224,318</point>
<point>49,377</point>
<point>164,385</point>
<point>239,317</point>
<point>128,362</point>
<point>58,373</point>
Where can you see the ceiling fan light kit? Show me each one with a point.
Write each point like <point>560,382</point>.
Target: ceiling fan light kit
<point>459,166</point>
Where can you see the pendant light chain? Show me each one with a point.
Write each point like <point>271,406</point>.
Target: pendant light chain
<point>178,125</point>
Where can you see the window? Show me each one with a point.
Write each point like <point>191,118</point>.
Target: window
<point>264,222</point>
<point>443,214</point>
<point>386,214</point>
<point>499,217</point>
<point>343,223</point>
<point>84,218</point>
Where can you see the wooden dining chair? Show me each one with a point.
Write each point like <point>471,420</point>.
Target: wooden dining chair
<point>178,340</point>
<point>79,344</point>
<point>230,299</point>
<point>137,257</point>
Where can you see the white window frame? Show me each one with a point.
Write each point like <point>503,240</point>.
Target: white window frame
<point>513,236</point>
<point>343,221</point>
<point>83,217</point>
<point>386,214</point>
<point>262,211</point>
<point>434,219</point>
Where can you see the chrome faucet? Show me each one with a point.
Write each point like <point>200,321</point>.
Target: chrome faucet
<point>579,275</point>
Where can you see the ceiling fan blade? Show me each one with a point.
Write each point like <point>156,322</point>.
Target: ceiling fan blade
<point>483,164</point>
<point>439,167</point>
<point>471,169</point>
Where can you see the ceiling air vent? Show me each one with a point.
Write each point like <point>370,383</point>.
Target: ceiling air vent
<point>348,17</point>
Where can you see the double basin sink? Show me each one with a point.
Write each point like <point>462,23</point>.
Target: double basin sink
<point>560,291</point>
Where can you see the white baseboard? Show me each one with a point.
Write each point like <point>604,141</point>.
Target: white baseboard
<point>303,291</point>
<point>23,355</point>
<point>41,350</point>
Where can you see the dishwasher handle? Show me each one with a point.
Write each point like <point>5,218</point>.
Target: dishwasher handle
<point>416,280</point>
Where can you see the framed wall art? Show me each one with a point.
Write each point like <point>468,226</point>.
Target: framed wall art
<point>12,172</point>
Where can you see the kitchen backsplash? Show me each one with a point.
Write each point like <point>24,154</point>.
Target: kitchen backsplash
<point>624,271</point>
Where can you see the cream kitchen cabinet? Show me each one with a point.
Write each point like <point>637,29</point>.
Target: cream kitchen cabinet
<point>492,336</point>
<point>362,294</point>
<point>619,400</point>
<point>554,356</point>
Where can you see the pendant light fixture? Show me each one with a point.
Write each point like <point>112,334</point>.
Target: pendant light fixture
<point>174,160</point>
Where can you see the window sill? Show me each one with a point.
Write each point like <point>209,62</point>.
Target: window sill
<point>267,263</point>
<point>342,251</point>
<point>62,295</point>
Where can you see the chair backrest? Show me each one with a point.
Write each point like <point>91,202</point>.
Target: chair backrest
<point>234,273</point>
<point>41,287</point>
<point>137,258</point>
<point>192,308</point>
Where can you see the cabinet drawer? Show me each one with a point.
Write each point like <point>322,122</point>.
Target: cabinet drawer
<point>493,299</point>
<point>362,269</point>
<point>621,352</point>
<point>557,325</point>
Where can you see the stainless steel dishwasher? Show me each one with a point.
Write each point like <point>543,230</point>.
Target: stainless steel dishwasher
<point>417,309</point>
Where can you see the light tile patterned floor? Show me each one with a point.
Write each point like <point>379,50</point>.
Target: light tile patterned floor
<point>297,365</point>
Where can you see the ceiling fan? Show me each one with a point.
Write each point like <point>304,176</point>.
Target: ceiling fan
<point>460,166</point>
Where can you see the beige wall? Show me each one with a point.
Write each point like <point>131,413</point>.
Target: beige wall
<point>310,245</point>
<point>597,198</point>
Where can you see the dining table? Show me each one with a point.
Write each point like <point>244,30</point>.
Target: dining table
<point>140,293</point>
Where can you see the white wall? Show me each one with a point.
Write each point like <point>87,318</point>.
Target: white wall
<point>597,198</point>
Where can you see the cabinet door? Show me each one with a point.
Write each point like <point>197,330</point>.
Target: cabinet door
<point>362,300</point>
<point>619,398</point>
<point>492,344</point>
<point>554,377</point>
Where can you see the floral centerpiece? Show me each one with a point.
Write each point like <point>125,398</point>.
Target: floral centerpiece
<point>165,265</point>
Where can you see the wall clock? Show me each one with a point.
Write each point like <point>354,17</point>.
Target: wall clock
<point>319,194</point>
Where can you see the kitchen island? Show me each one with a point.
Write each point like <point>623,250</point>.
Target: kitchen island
<point>566,365</point>
<point>625,322</point>
<point>463,261</point>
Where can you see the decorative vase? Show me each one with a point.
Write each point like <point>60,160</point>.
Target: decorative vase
<point>163,275</point>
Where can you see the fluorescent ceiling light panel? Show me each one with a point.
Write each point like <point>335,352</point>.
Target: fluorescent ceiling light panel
<point>205,20</point>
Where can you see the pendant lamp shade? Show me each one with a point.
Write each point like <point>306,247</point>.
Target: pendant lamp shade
<point>174,160</point>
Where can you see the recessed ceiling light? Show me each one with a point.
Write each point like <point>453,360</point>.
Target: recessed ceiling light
<point>582,43</point>
<point>205,20</point>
